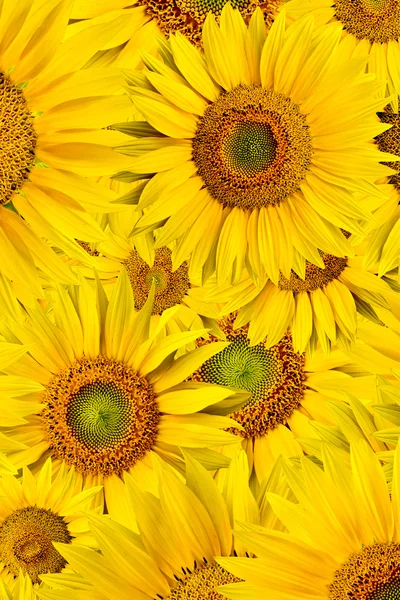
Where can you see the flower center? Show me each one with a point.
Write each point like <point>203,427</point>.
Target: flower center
<point>18,139</point>
<point>315,276</point>
<point>249,148</point>
<point>100,416</point>
<point>26,537</point>
<point>389,141</point>
<point>373,20</point>
<point>372,574</point>
<point>274,376</point>
<point>200,583</point>
<point>171,286</point>
<point>188,16</point>
<point>252,147</point>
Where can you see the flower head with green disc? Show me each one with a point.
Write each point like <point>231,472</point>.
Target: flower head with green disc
<point>372,28</point>
<point>291,392</point>
<point>241,148</point>
<point>100,388</point>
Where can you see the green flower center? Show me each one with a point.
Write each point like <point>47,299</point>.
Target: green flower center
<point>387,591</point>
<point>249,148</point>
<point>274,376</point>
<point>171,286</point>
<point>250,368</point>
<point>252,147</point>
<point>159,278</point>
<point>198,9</point>
<point>99,414</point>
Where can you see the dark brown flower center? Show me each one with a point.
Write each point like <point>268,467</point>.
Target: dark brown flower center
<point>252,148</point>
<point>371,574</point>
<point>18,139</point>
<point>372,20</point>
<point>100,416</point>
<point>315,277</point>
<point>188,16</point>
<point>170,286</point>
<point>26,537</point>
<point>389,141</point>
<point>200,583</point>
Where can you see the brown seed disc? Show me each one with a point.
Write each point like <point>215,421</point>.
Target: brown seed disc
<point>18,139</point>
<point>315,276</point>
<point>171,286</point>
<point>188,16</point>
<point>371,574</point>
<point>373,20</point>
<point>199,584</point>
<point>100,416</point>
<point>389,141</point>
<point>252,148</point>
<point>26,537</point>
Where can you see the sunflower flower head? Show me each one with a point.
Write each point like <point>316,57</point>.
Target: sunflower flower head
<point>100,388</point>
<point>290,393</point>
<point>37,511</point>
<point>318,302</point>
<point>165,18</point>
<point>241,147</point>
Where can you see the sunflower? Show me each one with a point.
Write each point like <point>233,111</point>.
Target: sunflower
<point>182,528</point>
<point>383,250</point>
<point>239,147</point>
<point>37,511</point>
<point>316,302</point>
<point>53,135</point>
<point>342,538</point>
<point>107,393</point>
<point>169,16</point>
<point>289,391</point>
<point>144,266</point>
<point>174,287</point>
<point>370,30</point>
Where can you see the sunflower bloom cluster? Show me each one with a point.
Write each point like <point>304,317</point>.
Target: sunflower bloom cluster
<point>200,300</point>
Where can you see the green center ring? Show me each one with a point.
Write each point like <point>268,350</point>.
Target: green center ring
<point>99,414</point>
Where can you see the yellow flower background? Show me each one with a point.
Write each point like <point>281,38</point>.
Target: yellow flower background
<point>199,300</point>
